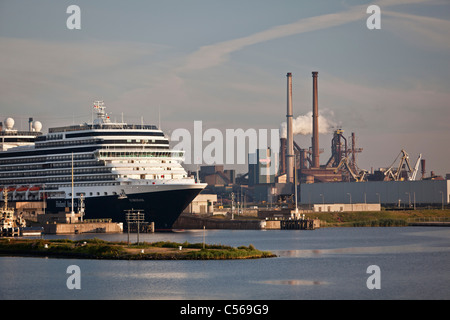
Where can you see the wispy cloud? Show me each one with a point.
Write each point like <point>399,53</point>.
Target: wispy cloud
<point>218,53</point>
<point>423,31</point>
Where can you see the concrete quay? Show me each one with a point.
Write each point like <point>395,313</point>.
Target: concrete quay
<point>83,227</point>
<point>195,222</point>
<point>198,222</point>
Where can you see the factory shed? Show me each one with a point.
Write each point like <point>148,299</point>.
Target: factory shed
<point>387,193</point>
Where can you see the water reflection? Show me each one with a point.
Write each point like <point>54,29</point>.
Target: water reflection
<point>316,253</point>
<point>295,282</point>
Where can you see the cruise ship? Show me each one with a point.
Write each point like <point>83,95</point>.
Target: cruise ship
<point>105,167</point>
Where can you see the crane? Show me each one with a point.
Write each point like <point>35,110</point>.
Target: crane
<point>344,163</point>
<point>395,173</point>
<point>416,168</point>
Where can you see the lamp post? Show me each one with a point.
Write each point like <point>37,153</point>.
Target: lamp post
<point>295,182</point>
<point>232,206</point>
<point>351,205</point>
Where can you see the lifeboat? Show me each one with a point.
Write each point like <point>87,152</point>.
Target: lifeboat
<point>22,189</point>
<point>34,189</point>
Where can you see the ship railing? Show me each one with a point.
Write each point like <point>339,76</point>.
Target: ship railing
<point>104,126</point>
<point>20,133</point>
<point>97,220</point>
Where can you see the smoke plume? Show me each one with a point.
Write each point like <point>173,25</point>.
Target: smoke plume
<point>303,124</point>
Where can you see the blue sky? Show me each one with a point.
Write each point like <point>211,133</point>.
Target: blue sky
<point>225,63</point>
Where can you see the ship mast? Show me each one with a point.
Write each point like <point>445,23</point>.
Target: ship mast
<point>72,186</point>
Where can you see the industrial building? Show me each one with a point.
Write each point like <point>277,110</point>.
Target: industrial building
<point>337,185</point>
<point>216,175</point>
<point>341,181</point>
<point>403,194</point>
<point>259,167</point>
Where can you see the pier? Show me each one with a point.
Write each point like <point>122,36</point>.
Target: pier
<point>429,222</point>
<point>198,222</point>
<point>301,224</point>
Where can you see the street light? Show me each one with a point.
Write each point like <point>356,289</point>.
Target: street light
<point>350,200</point>
<point>295,182</point>
<point>442,196</point>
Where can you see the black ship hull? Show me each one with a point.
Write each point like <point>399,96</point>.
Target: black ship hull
<point>161,207</point>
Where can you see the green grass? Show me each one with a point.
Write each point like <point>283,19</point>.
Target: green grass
<point>383,218</point>
<point>100,249</point>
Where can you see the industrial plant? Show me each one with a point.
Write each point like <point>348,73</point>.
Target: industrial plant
<point>337,184</point>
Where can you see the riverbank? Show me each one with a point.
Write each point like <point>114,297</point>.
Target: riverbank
<point>383,218</point>
<point>100,249</point>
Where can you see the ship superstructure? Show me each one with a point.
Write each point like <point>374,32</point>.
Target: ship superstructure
<point>114,166</point>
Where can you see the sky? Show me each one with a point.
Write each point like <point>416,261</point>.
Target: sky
<point>224,63</point>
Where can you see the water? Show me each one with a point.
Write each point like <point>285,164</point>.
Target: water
<point>329,263</point>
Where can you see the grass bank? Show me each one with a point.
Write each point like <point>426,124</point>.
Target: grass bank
<point>384,218</point>
<point>100,249</point>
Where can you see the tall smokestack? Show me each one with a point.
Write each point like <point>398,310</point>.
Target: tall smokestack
<point>282,156</point>
<point>315,137</point>
<point>289,135</point>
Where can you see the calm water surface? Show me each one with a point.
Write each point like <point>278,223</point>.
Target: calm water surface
<point>329,263</point>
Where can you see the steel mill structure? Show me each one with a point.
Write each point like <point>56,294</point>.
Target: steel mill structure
<point>340,180</point>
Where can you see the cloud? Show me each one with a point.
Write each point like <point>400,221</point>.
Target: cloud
<point>431,33</point>
<point>42,74</point>
<point>218,53</point>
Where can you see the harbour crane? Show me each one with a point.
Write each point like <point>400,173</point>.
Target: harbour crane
<point>344,164</point>
<point>416,168</point>
<point>395,174</point>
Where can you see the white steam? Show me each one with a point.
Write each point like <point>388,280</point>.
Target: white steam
<point>303,124</point>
